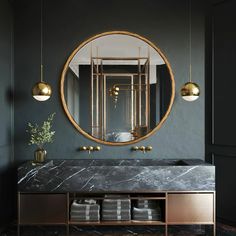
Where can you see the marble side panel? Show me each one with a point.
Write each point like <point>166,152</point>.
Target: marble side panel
<point>114,176</point>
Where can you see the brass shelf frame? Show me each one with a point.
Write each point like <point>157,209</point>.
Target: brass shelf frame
<point>70,117</point>
<point>162,196</point>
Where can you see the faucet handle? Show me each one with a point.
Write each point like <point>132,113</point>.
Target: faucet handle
<point>135,148</point>
<point>83,148</point>
<point>148,148</point>
<point>97,148</point>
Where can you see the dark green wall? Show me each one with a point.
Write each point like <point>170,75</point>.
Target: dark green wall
<point>6,111</point>
<point>66,24</point>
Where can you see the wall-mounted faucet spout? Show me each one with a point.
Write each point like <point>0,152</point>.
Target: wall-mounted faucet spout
<point>142,148</point>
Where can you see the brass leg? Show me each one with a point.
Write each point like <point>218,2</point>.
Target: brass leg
<point>214,226</point>
<point>18,214</point>
<point>18,229</point>
<point>68,214</point>
<point>166,230</point>
<point>166,214</point>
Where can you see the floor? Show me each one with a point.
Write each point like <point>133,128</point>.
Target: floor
<point>222,230</point>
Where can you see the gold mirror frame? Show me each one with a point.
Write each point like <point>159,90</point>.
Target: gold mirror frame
<point>64,101</point>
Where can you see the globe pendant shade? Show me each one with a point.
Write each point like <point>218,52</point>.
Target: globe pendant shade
<point>41,91</point>
<point>190,91</point>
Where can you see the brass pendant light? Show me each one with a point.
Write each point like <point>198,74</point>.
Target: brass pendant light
<point>190,91</point>
<point>41,91</point>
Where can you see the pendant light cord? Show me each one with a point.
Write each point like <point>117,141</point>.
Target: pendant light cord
<point>41,42</point>
<point>190,41</point>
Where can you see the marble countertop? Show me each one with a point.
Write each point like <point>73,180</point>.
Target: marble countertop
<point>113,175</point>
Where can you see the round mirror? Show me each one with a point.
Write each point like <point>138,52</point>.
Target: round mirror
<point>117,88</point>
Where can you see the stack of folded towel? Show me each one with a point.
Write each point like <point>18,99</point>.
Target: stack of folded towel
<point>146,210</point>
<point>116,207</point>
<point>85,210</point>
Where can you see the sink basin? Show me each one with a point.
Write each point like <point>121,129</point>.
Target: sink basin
<point>180,163</point>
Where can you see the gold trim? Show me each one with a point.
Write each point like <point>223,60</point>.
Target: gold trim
<point>66,66</point>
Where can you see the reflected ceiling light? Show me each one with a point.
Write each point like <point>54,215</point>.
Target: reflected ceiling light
<point>190,91</point>
<point>41,91</point>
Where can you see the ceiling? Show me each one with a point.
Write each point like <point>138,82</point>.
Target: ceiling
<point>116,45</point>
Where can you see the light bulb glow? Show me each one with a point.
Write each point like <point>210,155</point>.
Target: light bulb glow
<point>190,98</point>
<point>41,98</point>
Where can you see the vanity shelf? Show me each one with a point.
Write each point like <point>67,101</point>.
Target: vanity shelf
<point>186,198</point>
<point>158,198</point>
<point>177,208</point>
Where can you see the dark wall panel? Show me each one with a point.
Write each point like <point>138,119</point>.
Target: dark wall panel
<point>225,185</point>
<point>220,103</point>
<point>6,111</point>
<point>224,73</point>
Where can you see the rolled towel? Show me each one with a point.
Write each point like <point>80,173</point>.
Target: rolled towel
<point>117,200</point>
<point>116,211</point>
<point>74,214</point>
<point>116,204</point>
<point>151,218</point>
<point>83,206</point>
<point>115,208</point>
<point>146,214</point>
<point>144,203</point>
<point>86,201</point>
<point>146,211</point>
<point>116,217</point>
<point>85,218</point>
<point>82,212</point>
<point>114,214</point>
<point>156,217</point>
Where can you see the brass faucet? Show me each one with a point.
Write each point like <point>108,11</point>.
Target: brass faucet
<point>142,148</point>
<point>149,148</point>
<point>90,148</point>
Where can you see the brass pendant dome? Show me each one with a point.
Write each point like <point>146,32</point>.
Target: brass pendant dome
<point>190,91</point>
<point>41,91</point>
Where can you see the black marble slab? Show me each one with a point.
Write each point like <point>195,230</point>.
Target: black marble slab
<point>126,175</point>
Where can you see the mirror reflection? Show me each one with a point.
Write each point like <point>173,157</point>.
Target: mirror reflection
<point>117,88</point>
